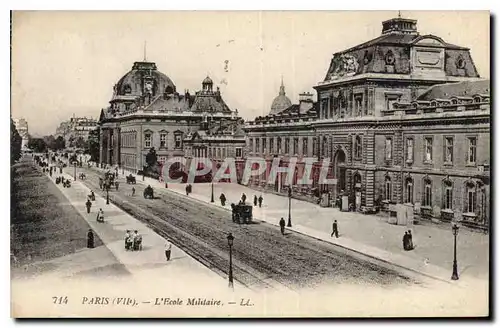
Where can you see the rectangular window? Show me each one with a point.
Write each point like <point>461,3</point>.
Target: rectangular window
<point>271,145</point>
<point>250,145</point>
<point>409,149</point>
<point>448,150</point>
<point>428,149</point>
<point>218,152</point>
<point>390,100</point>
<point>448,200</point>
<point>238,152</point>
<point>147,140</point>
<point>162,159</point>
<point>257,145</point>
<point>471,200</point>
<point>264,145</point>
<point>324,108</point>
<point>315,146</point>
<point>178,141</point>
<point>472,148</point>
<point>427,195</point>
<point>388,189</point>
<point>163,140</point>
<point>287,145</point>
<point>388,149</point>
<point>409,193</point>
<point>295,146</point>
<point>358,104</point>
<point>304,146</point>
<point>278,145</point>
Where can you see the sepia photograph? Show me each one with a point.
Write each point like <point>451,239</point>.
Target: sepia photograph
<point>250,164</point>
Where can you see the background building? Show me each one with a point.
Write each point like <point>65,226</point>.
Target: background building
<point>403,118</point>
<point>22,129</point>
<point>146,111</point>
<point>76,128</point>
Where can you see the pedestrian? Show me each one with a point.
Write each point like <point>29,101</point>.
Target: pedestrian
<point>410,240</point>
<point>222,199</point>
<point>168,249</point>
<point>137,241</point>
<point>90,239</point>
<point>133,191</point>
<point>127,236</point>
<point>92,195</point>
<point>260,200</point>
<point>100,216</point>
<point>255,200</point>
<point>89,205</point>
<point>243,198</point>
<point>335,229</point>
<point>405,241</point>
<point>282,226</point>
<point>116,185</point>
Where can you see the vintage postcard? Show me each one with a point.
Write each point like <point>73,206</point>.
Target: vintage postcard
<point>250,164</point>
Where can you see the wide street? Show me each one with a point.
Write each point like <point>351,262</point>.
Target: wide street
<point>261,255</point>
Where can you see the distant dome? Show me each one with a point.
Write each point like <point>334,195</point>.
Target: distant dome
<point>207,80</point>
<point>132,82</point>
<point>281,102</point>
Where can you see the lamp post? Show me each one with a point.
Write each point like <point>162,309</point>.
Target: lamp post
<point>289,206</point>
<point>107,195</point>
<point>212,198</point>
<point>230,240</point>
<point>454,276</point>
<point>74,175</point>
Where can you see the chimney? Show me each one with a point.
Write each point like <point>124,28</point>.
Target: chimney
<point>305,101</point>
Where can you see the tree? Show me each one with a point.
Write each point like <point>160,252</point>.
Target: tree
<point>80,143</point>
<point>59,143</point>
<point>15,143</point>
<point>151,158</point>
<point>92,145</point>
<point>37,144</point>
<point>50,141</point>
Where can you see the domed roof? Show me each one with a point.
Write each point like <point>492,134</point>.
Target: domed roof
<point>281,102</point>
<point>207,80</point>
<point>132,82</point>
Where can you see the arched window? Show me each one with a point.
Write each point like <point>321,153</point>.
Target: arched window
<point>427,194</point>
<point>433,103</point>
<point>454,101</point>
<point>477,99</point>
<point>447,195</point>
<point>471,197</point>
<point>358,147</point>
<point>388,188</point>
<point>409,190</point>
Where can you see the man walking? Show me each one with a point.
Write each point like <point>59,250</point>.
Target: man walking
<point>89,205</point>
<point>168,249</point>
<point>260,200</point>
<point>90,239</point>
<point>255,200</point>
<point>282,226</point>
<point>405,241</point>
<point>335,229</point>
<point>133,191</point>
<point>410,241</point>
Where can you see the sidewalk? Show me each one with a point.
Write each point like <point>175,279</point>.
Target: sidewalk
<point>150,263</point>
<point>367,234</point>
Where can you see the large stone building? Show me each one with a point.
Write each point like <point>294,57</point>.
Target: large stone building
<point>146,111</point>
<point>22,129</point>
<point>76,128</point>
<point>403,118</point>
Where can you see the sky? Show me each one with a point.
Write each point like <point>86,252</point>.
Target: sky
<point>66,62</point>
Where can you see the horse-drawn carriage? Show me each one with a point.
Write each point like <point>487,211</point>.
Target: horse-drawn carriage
<point>149,193</point>
<point>107,182</point>
<point>131,179</point>
<point>242,213</point>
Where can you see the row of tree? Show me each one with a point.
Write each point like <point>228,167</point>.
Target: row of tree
<point>15,143</point>
<point>90,146</point>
